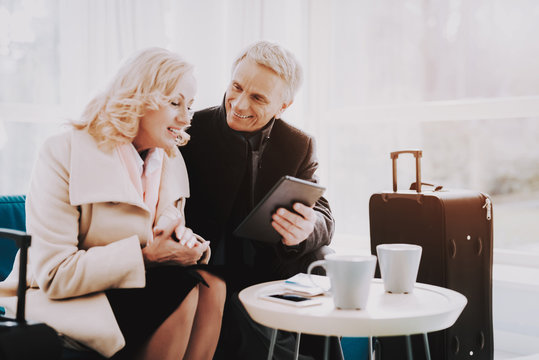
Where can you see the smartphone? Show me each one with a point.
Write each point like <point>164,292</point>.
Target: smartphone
<point>291,299</point>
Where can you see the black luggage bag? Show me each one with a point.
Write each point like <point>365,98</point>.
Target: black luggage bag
<point>454,228</point>
<point>21,339</point>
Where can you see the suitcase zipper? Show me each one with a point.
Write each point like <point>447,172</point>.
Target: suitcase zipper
<point>488,206</point>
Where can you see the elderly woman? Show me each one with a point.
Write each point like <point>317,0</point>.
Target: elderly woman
<point>113,266</point>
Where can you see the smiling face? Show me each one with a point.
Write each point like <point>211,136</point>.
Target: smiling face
<point>160,128</point>
<point>255,95</point>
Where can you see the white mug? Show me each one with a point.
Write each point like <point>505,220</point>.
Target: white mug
<point>399,264</point>
<point>350,277</point>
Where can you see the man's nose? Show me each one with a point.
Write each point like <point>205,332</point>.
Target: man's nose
<point>241,102</point>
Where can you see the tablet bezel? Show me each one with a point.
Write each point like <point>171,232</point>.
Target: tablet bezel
<point>287,191</point>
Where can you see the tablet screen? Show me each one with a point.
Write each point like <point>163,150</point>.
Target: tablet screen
<point>287,191</point>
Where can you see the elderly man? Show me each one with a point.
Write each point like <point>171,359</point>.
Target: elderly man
<point>237,152</point>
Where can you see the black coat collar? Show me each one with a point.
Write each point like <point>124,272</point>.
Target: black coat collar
<point>231,134</point>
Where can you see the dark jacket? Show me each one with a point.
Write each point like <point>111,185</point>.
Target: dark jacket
<point>219,168</point>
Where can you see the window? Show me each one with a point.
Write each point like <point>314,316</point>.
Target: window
<point>457,79</point>
<point>453,78</point>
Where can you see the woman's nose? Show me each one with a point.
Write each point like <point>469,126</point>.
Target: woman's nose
<point>185,115</point>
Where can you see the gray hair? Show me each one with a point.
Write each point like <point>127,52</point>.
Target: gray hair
<point>279,60</point>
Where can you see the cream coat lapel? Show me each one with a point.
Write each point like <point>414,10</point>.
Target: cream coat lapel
<point>174,182</point>
<point>98,175</point>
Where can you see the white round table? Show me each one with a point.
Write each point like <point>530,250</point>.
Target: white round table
<point>428,308</point>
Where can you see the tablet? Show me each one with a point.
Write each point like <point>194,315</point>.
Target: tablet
<point>287,191</point>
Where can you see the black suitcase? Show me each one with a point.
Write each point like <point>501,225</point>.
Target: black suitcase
<point>21,339</point>
<point>454,227</point>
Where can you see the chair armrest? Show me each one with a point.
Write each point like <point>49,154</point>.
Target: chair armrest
<point>23,241</point>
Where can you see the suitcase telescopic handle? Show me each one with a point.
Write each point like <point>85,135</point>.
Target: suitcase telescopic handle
<point>417,154</point>
<point>23,241</point>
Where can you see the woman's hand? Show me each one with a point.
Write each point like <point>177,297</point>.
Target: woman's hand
<point>164,249</point>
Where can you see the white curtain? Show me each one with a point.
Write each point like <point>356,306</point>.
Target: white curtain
<point>94,36</point>
<point>76,46</point>
<point>369,67</point>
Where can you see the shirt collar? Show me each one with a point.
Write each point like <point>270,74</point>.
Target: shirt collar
<point>257,138</point>
<point>264,132</point>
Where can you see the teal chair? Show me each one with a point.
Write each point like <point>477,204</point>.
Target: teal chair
<point>355,348</point>
<point>13,216</point>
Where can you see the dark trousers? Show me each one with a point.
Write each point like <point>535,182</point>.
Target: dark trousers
<point>244,339</point>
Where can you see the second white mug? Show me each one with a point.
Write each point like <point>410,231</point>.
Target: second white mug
<point>399,264</point>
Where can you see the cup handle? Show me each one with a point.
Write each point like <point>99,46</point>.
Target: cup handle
<point>314,264</point>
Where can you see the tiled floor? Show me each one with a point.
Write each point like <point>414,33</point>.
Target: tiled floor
<point>500,355</point>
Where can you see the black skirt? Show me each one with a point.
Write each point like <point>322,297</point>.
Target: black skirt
<point>139,312</point>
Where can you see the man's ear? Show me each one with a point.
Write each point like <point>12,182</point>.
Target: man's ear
<point>284,106</point>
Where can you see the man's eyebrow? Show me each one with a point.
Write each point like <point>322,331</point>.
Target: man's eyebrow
<point>260,96</point>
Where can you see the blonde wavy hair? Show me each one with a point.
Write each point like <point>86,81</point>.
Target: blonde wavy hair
<point>147,80</point>
<point>279,60</point>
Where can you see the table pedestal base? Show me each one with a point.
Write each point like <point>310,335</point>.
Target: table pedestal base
<point>372,347</point>
<point>373,351</point>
